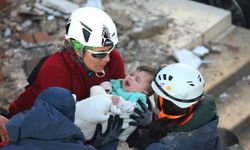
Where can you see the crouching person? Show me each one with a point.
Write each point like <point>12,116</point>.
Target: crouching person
<point>48,125</point>
<point>185,117</point>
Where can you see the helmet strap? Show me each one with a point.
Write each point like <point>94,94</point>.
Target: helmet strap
<point>164,115</point>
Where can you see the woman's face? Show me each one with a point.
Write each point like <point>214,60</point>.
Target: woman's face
<point>97,58</point>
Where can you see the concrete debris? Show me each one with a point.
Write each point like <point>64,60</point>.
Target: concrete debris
<point>7,32</point>
<point>151,28</point>
<point>64,6</point>
<point>29,40</point>
<point>30,29</point>
<point>26,24</point>
<point>3,4</point>
<point>187,57</point>
<point>50,17</point>
<point>94,3</point>
<point>200,50</point>
<point>29,10</point>
<point>214,47</point>
<point>224,95</point>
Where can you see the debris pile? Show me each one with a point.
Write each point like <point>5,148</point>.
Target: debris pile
<point>31,29</point>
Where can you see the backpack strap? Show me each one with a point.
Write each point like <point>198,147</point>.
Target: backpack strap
<point>33,75</point>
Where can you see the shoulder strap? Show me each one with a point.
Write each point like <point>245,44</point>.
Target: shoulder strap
<point>33,75</point>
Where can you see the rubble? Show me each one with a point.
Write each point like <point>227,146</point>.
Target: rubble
<point>187,57</point>
<point>3,4</point>
<point>200,51</point>
<point>60,8</point>
<point>32,29</point>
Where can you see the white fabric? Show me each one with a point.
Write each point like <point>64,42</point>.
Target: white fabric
<point>97,109</point>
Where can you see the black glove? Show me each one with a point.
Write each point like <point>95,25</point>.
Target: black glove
<point>142,117</point>
<point>114,129</point>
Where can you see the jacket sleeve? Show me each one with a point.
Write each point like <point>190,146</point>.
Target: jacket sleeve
<point>14,126</point>
<point>49,75</point>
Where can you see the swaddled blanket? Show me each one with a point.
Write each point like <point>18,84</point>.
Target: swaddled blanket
<point>97,109</point>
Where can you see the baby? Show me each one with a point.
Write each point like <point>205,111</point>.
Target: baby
<point>114,97</point>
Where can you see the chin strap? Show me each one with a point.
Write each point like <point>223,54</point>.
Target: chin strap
<point>164,115</point>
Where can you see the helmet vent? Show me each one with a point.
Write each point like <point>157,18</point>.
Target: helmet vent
<point>105,32</point>
<point>170,77</point>
<point>164,76</point>
<point>199,77</point>
<point>67,26</point>
<point>86,31</point>
<point>159,77</point>
<point>190,83</point>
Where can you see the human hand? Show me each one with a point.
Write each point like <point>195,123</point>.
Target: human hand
<point>3,131</point>
<point>114,129</point>
<point>115,99</point>
<point>142,117</point>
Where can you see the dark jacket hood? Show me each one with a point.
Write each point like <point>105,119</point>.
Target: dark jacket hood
<point>59,98</point>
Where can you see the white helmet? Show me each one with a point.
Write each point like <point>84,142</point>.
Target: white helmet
<point>91,27</point>
<point>180,84</point>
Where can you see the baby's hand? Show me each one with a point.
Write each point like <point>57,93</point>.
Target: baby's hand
<point>115,100</point>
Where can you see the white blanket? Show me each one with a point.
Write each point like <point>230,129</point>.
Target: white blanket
<point>97,109</point>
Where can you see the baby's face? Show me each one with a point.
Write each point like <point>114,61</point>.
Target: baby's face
<point>138,81</point>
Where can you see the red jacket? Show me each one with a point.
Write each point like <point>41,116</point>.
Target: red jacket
<point>62,70</point>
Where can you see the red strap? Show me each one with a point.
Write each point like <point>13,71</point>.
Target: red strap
<point>2,144</point>
<point>163,115</point>
<point>187,119</point>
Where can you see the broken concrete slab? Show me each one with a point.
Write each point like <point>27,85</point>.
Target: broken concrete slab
<point>233,110</point>
<point>187,57</point>
<point>63,6</point>
<point>201,28</point>
<point>29,40</point>
<point>194,23</point>
<point>41,37</point>
<point>231,64</point>
<point>151,28</point>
